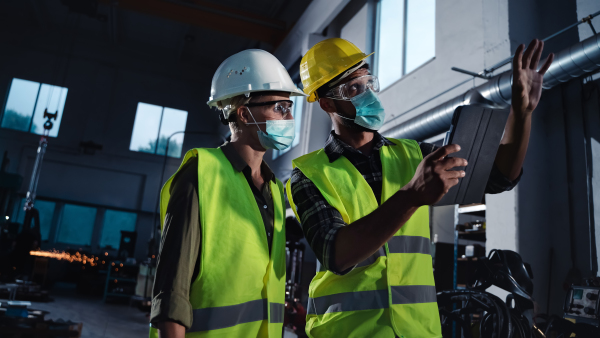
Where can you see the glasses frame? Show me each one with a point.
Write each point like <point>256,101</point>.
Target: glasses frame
<point>267,103</point>
<point>338,93</point>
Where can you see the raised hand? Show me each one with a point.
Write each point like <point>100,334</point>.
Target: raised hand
<point>434,177</point>
<point>527,80</point>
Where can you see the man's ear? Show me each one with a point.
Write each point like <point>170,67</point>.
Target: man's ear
<point>327,105</point>
<point>243,115</point>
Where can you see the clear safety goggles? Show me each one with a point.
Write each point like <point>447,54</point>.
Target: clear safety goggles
<point>282,107</point>
<point>354,87</point>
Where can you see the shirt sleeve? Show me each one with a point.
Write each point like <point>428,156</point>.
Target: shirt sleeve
<point>178,258</point>
<point>320,221</point>
<point>497,182</point>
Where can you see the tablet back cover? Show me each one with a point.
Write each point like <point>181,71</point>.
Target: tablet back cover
<point>478,131</point>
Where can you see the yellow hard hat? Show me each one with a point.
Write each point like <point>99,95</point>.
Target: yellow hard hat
<point>326,60</point>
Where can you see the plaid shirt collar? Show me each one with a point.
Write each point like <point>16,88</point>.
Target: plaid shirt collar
<point>239,164</point>
<point>335,148</point>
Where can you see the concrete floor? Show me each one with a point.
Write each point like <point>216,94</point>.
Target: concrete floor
<point>99,319</point>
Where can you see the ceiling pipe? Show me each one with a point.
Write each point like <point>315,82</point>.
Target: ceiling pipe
<point>570,63</point>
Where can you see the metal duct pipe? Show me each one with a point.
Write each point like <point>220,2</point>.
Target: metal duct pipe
<point>572,62</point>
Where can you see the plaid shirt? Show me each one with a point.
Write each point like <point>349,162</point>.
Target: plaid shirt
<point>321,222</point>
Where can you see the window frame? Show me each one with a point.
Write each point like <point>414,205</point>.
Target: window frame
<point>52,241</point>
<point>60,220</point>
<point>376,31</point>
<point>160,127</point>
<point>35,106</point>
<point>100,234</point>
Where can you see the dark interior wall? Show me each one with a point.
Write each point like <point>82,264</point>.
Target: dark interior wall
<point>543,203</point>
<point>552,205</point>
<point>105,81</point>
<point>554,209</point>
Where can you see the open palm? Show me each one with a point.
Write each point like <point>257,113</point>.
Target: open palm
<point>527,80</point>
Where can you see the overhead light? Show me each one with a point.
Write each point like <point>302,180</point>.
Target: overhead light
<point>7,218</point>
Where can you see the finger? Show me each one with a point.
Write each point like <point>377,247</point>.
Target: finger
<point>452,174</point>
<point>547,64</point>
<point>529,53</point>
<point>518,59</point>
<point>443,152</point>
<point>537,55</point>
<point>453,162</point>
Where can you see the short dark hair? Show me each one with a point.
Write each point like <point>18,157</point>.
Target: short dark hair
<point>321,91</point>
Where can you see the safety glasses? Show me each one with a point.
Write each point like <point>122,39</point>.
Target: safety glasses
<point>354,87</point>
<point>281,107</point>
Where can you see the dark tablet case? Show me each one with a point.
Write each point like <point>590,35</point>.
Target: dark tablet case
<point>478,131</point>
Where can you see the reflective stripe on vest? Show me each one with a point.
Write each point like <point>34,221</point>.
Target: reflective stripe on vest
<point>409,244</point>
<point>397,244</point>
<point>371,300</point>
<point>215,318</point>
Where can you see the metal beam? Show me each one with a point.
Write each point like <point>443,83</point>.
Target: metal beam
<point>575,61</point>
<point>208,15</point>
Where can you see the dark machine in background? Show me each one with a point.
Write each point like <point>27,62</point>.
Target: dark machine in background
<point>18,240</point>
<point>20,271</point>
<point>9,185</point>
<point>582,304</point>
<point>473,312</point>
<point>295,314</point>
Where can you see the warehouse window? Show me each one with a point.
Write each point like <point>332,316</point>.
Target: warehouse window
<point>115,222</point>
<point>76,225</point>
<point>27,100</point>
<point>46,212</point>
<point>154,125</point>
<point>406,38</point>
<point>297,113</point>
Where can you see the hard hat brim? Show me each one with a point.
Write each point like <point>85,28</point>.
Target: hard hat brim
<point>213,102</point>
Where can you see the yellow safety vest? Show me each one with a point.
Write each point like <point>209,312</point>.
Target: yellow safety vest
<point>240,290</point>
<point>393,292</point>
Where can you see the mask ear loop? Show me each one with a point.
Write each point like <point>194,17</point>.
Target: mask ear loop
<point>255,123</point>
<point>344,117</point>
<point>347,118</point>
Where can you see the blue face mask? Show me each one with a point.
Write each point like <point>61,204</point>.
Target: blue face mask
<point>280,133</point>
<point>369,112</point>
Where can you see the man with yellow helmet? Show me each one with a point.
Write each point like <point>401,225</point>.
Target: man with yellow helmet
<point>362,199</point>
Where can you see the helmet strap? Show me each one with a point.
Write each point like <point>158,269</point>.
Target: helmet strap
<point>223,118</point>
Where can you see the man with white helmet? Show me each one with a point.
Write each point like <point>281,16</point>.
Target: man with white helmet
<point>221,266</point>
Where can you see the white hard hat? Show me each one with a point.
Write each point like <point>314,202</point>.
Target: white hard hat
<point>251,70</point>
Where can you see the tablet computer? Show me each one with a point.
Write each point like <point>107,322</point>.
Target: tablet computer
<point>478,131</point>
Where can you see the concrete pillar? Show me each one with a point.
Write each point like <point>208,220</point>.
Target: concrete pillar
<point>501,221</point>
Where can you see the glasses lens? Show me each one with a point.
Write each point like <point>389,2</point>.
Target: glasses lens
<point>283,108</point>
<point>374,83</point>
<point>359,85</point>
